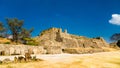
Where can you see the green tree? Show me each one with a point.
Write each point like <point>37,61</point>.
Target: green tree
<point>116,38</point>
<point>2,29</point>
<point>25,34</point>
<point>26,37</point>
<point>118,43</point>
<point>20,34</point>
<point>15,27</point>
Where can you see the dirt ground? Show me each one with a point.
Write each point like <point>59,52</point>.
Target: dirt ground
<point>95,60</point>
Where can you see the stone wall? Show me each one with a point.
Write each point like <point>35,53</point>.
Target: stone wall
<point>21,49</point>
<point>54,40</point>
<point>54,50</point>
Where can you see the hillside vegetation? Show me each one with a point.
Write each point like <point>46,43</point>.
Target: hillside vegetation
<point>5,41</point>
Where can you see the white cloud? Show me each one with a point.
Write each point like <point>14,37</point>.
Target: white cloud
<point>115,19</point>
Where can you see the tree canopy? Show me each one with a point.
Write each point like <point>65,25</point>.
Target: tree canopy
<point>18,31</point>
<point>115,37</point>
<point>15,27</point>
<point>2,29</point>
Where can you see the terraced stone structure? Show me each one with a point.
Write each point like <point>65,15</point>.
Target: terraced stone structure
<point>56,41</point>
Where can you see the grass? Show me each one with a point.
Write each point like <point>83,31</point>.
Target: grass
<point>4,41</point>
<point>115,61</point>
<point>9,66</point>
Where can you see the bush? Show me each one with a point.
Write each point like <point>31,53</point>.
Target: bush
<point>0,62</point>
<point>30,41</point>
<point>7,43</point>
<point>118,43</point>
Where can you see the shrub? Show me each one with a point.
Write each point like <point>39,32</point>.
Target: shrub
<point>118,43</point>
<point>20,59</point>
<point>0,62</point>
<point>28,56</point>
<point>30,41</point>
<point>7,43</point>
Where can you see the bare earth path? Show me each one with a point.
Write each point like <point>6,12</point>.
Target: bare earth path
<point>96,60</point>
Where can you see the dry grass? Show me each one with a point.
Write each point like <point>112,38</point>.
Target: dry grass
<point>96,60</point>
<point>4,40</point>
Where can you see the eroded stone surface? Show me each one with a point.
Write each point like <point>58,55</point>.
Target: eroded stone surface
<point>54,41</point>
<point>21,49</point>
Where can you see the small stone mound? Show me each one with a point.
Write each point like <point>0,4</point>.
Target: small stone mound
<point>21,59</point>
<point>6,61</point>
<point>36,59</point>
<point>0,62</point>
<point>15,59</point>
<point>28,57</point>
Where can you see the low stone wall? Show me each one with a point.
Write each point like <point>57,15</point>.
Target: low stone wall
<point>54,50</point>
<point>7,49</point>
<point>84,50</point>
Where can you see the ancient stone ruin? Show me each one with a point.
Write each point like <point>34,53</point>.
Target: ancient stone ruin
<point>7,49</point>
<point>20,58</point>
<point>56,41</point>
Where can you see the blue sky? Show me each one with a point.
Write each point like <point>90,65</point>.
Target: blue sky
<point>89,18</point>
